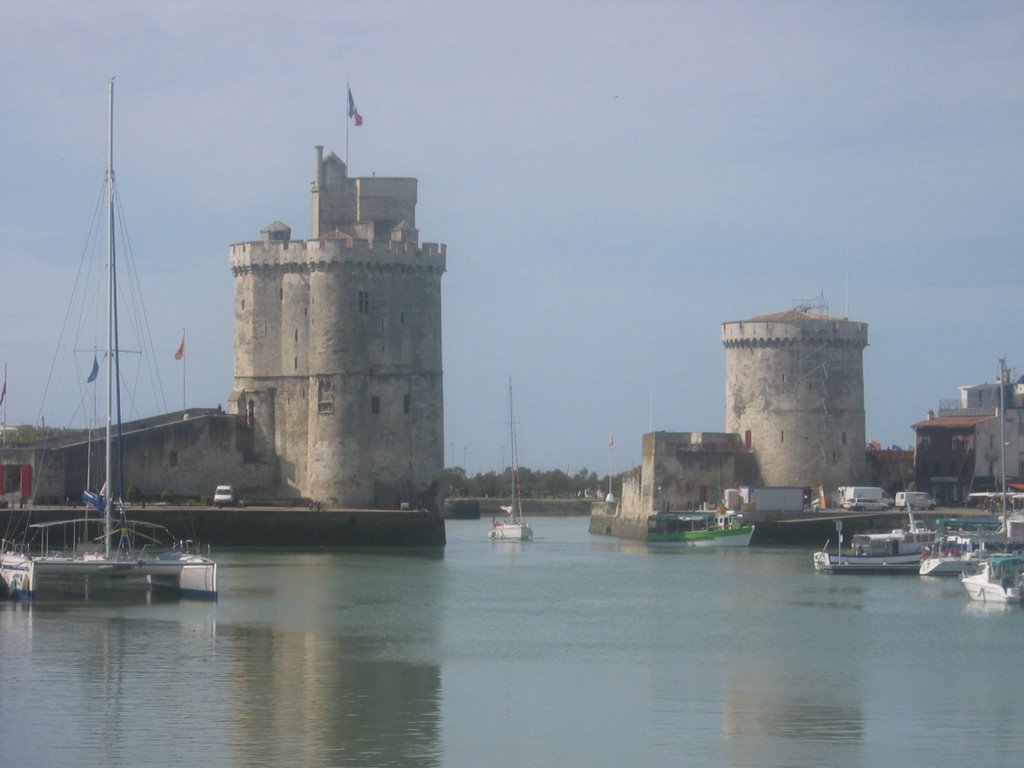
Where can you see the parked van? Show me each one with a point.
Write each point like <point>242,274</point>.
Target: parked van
<point>914,500</point>
<point>223,496</point>
<point>857,497</point>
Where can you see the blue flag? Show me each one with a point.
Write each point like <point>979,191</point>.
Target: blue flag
<point>95,370</point>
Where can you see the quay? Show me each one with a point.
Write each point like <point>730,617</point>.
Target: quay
<point>805,529</point>
<point>262,526</point>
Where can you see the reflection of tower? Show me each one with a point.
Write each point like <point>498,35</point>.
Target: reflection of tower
<point>795,394</point>
<point>338,346</point>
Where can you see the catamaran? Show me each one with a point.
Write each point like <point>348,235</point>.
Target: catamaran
<point>65,556</point>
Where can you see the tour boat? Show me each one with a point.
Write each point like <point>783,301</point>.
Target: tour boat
<point>698,529</point>
<point>65,556</point>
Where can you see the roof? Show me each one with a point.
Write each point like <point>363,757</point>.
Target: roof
<point>952,422</point>
<point>794,315</point>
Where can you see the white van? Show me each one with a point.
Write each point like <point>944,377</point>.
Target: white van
<point>223,496</point>
<point>914,500</point>
<point>858,497</point>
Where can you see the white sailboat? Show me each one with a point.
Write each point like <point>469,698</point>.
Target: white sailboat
<point>66,557</point>
<point>512,527</point>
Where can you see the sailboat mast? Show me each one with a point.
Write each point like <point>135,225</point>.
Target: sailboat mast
<point>517,491</point>
<point>111,369</point>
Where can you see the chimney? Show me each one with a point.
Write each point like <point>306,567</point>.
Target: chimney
<point>931,414</point>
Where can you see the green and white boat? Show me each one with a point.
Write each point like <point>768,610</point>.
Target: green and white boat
<point>698,529</point>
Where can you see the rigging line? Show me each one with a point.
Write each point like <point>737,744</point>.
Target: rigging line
<point>71,303</point>
<point>138,314</point>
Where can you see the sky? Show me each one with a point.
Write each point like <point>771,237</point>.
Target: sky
<point>612,180</point>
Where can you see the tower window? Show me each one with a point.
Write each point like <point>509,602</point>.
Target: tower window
<point>405,404</point>
<point>173,458</point>
<point>364,302</point>
<point>375,404</point>
<point>782,436</point>
<point>280,293</point>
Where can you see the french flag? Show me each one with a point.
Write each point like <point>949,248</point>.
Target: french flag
<point>353,113</point>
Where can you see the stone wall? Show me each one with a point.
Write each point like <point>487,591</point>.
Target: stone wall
<point>795,392</point>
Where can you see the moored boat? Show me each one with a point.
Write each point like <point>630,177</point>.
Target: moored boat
<point>512,527</point>
<point>68,557</point>
<point>698,529</point>
<point>898,551</point>
<point>998,579</point>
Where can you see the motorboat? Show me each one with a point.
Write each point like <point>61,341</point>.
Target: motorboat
<point>998,579</point>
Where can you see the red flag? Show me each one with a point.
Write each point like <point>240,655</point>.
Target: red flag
<point>181,350</point>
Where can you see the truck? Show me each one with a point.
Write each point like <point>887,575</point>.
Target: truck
<point>778,498</point>
<point>861,497</point>
<point>914,500</point>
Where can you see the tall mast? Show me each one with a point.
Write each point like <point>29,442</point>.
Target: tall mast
<point>111,368</point>
<point>1002,440</point>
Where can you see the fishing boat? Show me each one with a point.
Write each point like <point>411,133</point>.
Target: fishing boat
<point>997,579</point>
<point>512,527</point>
<point>70,556</point>
<point>698,529</point>
<point>897,551</point>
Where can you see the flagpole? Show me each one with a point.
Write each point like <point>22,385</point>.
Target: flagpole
<point>348,119</point>
<point>5,408</point>
<point>184,361</point>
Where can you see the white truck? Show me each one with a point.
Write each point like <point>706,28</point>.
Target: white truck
<point>914,500</point>
<point>860,498</point>
<point>779,498</point>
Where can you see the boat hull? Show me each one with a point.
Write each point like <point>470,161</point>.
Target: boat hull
<point>946,566</point>
<point>29,577</point>
<point>730,537</point>
<point>510,532</point>
<point>829,562</point>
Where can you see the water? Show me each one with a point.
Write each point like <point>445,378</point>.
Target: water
<point>569,650</point>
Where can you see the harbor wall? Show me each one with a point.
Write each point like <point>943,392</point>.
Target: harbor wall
<point>265,526</point>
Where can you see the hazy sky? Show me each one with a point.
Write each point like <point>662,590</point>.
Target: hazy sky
<point>613,180</point>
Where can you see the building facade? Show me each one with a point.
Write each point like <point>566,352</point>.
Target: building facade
<point>338,346</point>
<point>973,443</point>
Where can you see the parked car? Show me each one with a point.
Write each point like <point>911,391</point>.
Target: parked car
<point>224,496</point>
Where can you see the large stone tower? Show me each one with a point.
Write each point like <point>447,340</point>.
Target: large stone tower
<point>794,392</point>
<point>338,346</point>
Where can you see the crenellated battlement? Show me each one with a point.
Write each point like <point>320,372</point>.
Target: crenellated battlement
<point>779,333</point>
<point>314,255</point>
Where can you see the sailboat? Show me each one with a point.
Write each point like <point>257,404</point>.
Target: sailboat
<point>512,527</point>
<point>67,558</point>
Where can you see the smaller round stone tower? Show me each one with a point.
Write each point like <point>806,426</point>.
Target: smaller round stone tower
<point>794,392</point>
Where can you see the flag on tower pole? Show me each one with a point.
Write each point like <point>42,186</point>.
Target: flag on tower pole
<point>353,113</point>
<point>180,355</point>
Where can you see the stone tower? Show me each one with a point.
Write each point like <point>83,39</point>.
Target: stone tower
<point>794,392</point>
<point>338,347</point>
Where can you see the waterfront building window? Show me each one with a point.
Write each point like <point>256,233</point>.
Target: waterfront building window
<point>375,404</point>
<point>405,404</point>
<point>364,302</point>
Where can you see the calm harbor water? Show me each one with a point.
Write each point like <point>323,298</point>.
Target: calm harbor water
<point>569,650</point>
